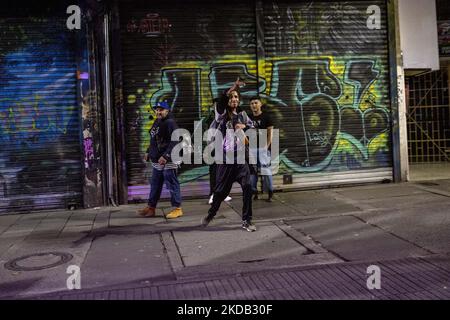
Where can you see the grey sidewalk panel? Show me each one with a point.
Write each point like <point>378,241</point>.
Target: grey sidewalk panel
<point>310,203</point>
<point>50,227</point>
<point>307,242</point>
<point>101,220</point>
<point>24,226</point>
<point>380,192</point>
<point>115,259</point>
<point>128,217</point>
<point>7,221</point>
<point>426,226</point>
<point>265,210</point>
<point>81,218</point>
<point>405,202</point>
<point>172,251</point>
<point>354,240</point>
<point>230,243</point>
<point>17,232</point>
<point>45,280</point>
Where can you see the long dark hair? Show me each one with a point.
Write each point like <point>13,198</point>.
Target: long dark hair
<point>228,109</point>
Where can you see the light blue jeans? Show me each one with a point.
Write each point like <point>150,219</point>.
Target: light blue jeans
<point>263,163</point>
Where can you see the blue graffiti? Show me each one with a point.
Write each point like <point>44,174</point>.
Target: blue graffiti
<point>37,102</point>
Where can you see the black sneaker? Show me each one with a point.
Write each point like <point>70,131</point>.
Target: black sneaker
<point>249,226</point>
<point>207,219</point>
<point>255,197</point>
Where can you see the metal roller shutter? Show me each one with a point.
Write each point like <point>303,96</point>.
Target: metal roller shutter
<point>40,162</point>
<point>185,54</point>
<point>323,73</point>
<point>327,77</point>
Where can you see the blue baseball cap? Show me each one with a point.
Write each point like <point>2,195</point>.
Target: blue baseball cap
<point>163,105</point>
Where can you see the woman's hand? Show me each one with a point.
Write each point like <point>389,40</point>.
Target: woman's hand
<point>237,84</point>
<point>162,161</point>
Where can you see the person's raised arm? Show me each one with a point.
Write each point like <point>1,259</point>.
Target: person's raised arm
<point>223,100</point>
<point>236,85</point>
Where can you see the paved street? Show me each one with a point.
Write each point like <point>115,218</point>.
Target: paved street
<point>313,244</point>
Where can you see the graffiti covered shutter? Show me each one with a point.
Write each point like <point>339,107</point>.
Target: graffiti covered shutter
<point>185,54</point>
<point>40,163</point>
<point>327,70</point>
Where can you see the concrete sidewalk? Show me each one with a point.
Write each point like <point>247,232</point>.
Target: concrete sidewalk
<point>320,242</point>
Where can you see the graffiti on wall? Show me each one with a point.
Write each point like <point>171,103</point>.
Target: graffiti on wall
<point>29,122</point>
<point>334,111</point>
<point>323,78</point>
<point>91,124</point>
<point>38,116</point>
<point>151,26</point>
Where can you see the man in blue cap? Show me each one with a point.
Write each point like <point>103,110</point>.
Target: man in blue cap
<point>164,170</point>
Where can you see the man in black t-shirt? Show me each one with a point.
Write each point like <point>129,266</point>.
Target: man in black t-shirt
<point>262,153</point>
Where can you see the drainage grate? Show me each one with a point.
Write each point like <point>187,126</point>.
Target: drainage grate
<point>44,257</point>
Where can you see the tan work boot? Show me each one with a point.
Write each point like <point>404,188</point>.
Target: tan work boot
<point>147,212</point>
<point>175,213</point>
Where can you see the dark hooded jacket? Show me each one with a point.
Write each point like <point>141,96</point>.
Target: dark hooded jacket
<point>161,144</point>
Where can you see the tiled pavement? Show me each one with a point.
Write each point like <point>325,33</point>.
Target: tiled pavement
<point>404,279</point>
<point>309,245</point>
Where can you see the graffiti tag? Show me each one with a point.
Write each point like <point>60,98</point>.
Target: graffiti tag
<point>151,26</point>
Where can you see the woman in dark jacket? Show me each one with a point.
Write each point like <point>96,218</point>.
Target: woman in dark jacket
<point>227,174</point>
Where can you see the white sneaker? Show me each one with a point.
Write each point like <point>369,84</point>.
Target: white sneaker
<point>211,199</point>
<point>228,198</point>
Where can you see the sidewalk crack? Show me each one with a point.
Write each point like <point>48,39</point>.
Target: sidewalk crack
<point>393,234</point>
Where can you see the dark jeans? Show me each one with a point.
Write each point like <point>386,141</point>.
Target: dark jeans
<point>226,175</point>
<point>172,184</point>
<point>212,178</point>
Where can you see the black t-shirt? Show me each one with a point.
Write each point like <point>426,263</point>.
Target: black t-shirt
<point>263,121</point>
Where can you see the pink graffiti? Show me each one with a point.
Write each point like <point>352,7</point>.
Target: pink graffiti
<point>88,152</point>
<point>151,25</point>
